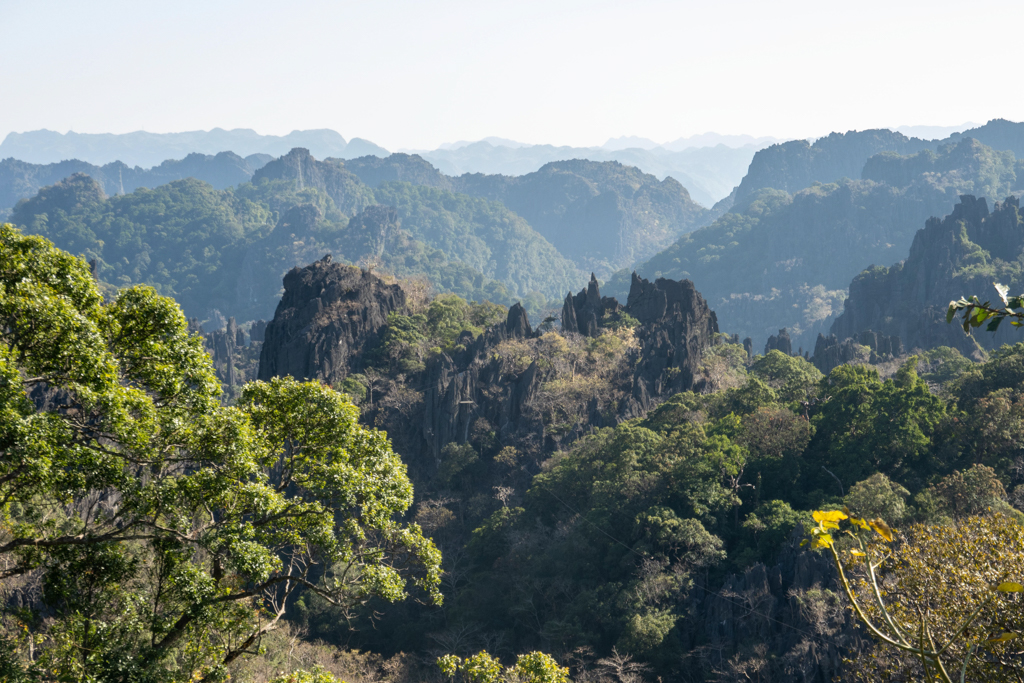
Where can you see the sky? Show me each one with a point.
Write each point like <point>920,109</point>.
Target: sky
<point>416,74</point>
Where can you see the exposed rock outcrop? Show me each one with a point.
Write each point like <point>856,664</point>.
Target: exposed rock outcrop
<point>830,353</point>
<point>676,327</point>
<point>780,342</point>
<point>328,315</point>
<point>331,315</point>
<point>582,313</point>
<point>958,255</point>
<point>784,621</point>
<point>348,193</point>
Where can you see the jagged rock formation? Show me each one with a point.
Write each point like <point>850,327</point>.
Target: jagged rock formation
<point>958,255</point>
<point>780,342</point>
<point>830,353</point>
<point>676,326</point>
<point>458,393</point>
<point>582,313</point>
<point>328,314</point>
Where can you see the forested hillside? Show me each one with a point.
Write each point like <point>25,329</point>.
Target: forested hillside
<point>601,215</point>
<point>781,260</point>
<point>21,180</point>
<point>223,252</point>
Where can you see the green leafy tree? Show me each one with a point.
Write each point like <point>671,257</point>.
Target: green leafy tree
<point>865,426</point>
<point>535,667</point>
<point>167,533</point>
<point>792,377</point>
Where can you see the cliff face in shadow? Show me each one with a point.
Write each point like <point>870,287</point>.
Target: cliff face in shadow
<point>327,317</point>
<point>959,255</point>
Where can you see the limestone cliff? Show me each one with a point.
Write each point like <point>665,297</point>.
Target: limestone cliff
<point>328,315</point>
<point>347,191</point>
<point>958,255</point>
<point>676,327</point>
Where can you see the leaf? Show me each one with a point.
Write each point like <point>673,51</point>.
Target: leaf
<point>828,515</point>
<point>1010,587</point>
<point>951,312</point>
<point>994,324</point>
<point>1004,638</point>
<point>858,553</point>
<point>822,540</point>
<point>1003,291</point>
<point>881,528</point>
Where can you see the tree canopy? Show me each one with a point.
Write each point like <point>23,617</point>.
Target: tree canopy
<point>163,532</point>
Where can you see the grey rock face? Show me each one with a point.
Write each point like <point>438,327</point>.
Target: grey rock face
<point>951,257</point>
<point>348,193</point>
<point>330,315</point>
<point>582,313</point>
<point>327,317</point>
<point>780,342</point>
<point>676,327</point>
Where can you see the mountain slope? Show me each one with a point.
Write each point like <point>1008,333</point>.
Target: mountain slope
<point>959,255</point>
<point>21,179</point>
<point>785,260</point>
<point>794,165</point>
<point>602,215</point>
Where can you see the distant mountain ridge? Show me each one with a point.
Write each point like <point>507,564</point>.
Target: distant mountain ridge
<point>784,260</point>
<point>20,179</point>
<point>708,173</point>
<point>601,215</point>
<point>794,165</point>
<point>150,149</point>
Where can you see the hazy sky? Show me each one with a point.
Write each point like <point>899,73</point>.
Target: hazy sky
<point>419,73</point>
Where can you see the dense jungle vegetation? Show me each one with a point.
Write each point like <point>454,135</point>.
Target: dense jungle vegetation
<point>212,250</point>
<point>150,534</point>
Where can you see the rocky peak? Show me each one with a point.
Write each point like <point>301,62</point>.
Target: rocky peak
<point>328,316</point>
<point>582,313</point>
<point>348,193</point>
<point>951,257</point>
<point>780,342</point>
<point>676,327</point>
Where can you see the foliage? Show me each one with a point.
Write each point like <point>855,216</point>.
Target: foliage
<point>205,246</point>
<point>793,378</point>
<point>975,313</point>
<point>945,601</point>
<point>535,667</point>
<point>317,675</point>
<point>163,533</point>
<point>867,426</point>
